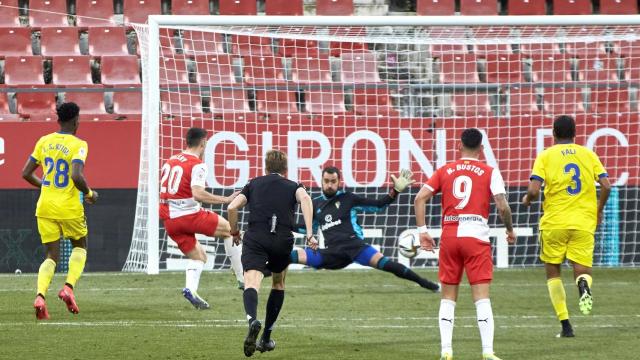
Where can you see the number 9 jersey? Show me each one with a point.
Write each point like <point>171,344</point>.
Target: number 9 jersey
<point>59,198</point>
<point>569,173</point>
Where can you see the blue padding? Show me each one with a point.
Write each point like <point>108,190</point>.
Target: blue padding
<point>382,262</point>
<point>365,255</point>
<point>314,258</point>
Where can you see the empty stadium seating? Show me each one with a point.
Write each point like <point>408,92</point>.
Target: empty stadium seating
<point>323,101</point>
<point>299,47</point>
<point>137,11</point>
<point>190,7</point>
<point>338,47</point>
<point>527,7</point>
<point>196,43</point>
<point>47,13</point>
<point>181,103</point>
<point>458,69</point>
<point>478,7</point>
<point>536,48</point>
<point>107,41</point>
<point>260,70</point>
<point>23,71</point>
<point>62,41</point>
<point>174,71</point>
<point>311,70</point>
<point>360,67</point>
<point>120,71</point>
<point>373,102</point>
<point>618,7</point>
<point>334,7</point>
<point>609,101</point>
<point>283,7</point>
<point>15,42</point>
<point>631,68</point>
<point>94,13</point>
<point>5,113</point>
<point>470,104</point>
<point>551,69</point>
<point>251,45</point>
<point>504,68</point>
<point>215,69</point>
<point>572,7</point>
<point>279,101</point>
<point>238,7</point>
<point>9,15</point>
<point>127,104</point>
<point>582,49</point>
<point>36,106</point>
<point>563,101</point>
<point>445,34</point>
<point>435,7</point>
<point>71,71</point>
<point>91,105</point>
<point>228,101</point>
<point>523,101</point>
<point>598,70</point>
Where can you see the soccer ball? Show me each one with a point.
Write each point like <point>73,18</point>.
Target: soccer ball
<point>409,243</point>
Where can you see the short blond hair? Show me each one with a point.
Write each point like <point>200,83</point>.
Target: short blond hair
<point>276,162</point>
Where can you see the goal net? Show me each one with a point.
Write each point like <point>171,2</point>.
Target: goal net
<point>375,99</point>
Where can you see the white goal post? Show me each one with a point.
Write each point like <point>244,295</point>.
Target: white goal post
<point>460,79</point>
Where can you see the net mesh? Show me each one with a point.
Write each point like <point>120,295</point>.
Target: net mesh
<point>373,100</point>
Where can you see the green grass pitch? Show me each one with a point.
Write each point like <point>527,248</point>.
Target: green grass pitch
<point>327,315</point>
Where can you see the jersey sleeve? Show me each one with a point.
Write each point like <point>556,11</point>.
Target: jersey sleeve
<point>538,169</point>
<point>497,183</point>
<point>434,183</point>
<point>246,190</point>
<point>81,152</point>
<point>598,168</point>
<point>199,175</point>
<point>36,155</point>
<point>370,205</point>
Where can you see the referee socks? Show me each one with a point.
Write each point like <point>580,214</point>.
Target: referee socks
<point>250,299</point>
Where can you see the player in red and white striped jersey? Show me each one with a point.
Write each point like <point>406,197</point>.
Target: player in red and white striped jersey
<point>467,186</point>
<point>182,190</point>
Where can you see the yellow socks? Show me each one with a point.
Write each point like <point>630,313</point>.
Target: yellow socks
<point>77,260</point>
<point>586,277</point>
<point>45,274</point>
<point>558,298</point>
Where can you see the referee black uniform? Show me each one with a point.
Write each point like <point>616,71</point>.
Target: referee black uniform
<point>268,242</point>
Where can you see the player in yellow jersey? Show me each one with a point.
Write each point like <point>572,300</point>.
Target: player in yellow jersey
<point>572,210</point>
<point>60,212</point>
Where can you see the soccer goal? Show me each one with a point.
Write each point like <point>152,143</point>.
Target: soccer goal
<point>373,95</point>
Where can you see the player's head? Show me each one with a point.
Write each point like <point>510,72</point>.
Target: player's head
<point>564,128</point>
<point>68,117</point>
<point>275,162</point>
<point>471,141</point>
<point>196,139</point>
<point>330,181</point>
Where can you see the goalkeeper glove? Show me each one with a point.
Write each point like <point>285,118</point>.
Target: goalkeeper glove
<point>403,180</point>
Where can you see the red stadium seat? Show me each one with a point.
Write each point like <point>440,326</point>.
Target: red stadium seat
<point>181,103</point>
<point>228,101</point>
<point>127,104</point>
<point>437,50</point>
<point>504,69</point>
<point>299,47</point>
<point>174,71</point>
<point>91,105</point>
<point>582,49</point>
<point>532,47</point>
<point>478,7</point>
<point>23,70</point>
<point>138,11</point>
<point>215,69</point>
<point>195,43</point>
<point>627,48</point>
<point>609,101</point>
<point>37,106</point>
<point>435,7</point>
<point>373,102</point>
<point>360,68</point>
<point>63,41</point>
<point>5,113</point>
<point>251,45</point>
<point>632,69</point>
<point>448,36</point>
<point>9,16</point>
<point>471,104</point>
<point>563,101</point>
<point>527,7</point>
<point>598,70</point>
<point>459,69</point>
<point>190,7</point>
<point>338,47</point>
<point>325,101</point>
<point>263,70</point>
<point>618,7</point>
<point>94,13</point>
<point>523,101</point>
<point>551,69</point>
<point>120,70</point>
<point>238,7</point>
<point>15,42</point>
<point>311,70</point>
<point>107,41</point>
<point>47,13</point>
<point>276,101</point>
<point>572,7</point>
<point>283,7</point>
<point>334,7</point>
<point>492,48</point>
<point>71,71</point>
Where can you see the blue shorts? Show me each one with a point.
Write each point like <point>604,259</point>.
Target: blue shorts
<point>340,257</point>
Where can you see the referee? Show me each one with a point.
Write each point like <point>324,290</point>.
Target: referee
<point>268,242</point>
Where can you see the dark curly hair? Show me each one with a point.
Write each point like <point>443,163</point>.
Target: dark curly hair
<point>67,112</point>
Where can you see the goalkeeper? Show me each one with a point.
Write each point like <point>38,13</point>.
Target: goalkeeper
<point>335,213</point>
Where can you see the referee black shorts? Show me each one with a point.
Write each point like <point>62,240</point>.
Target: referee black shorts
<point>263,251</point>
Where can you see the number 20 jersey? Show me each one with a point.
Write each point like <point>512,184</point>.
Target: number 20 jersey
<point>59,197</point>
<point>178,174</point>
<point>467,186</point>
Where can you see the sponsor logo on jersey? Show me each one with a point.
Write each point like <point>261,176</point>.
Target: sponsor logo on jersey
<point>331,224</point>
<point>463,218</point>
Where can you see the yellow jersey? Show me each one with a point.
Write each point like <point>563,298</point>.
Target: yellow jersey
<point>569,173</point>
<point>59,198</point>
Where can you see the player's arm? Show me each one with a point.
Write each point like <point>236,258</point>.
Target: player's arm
<point>29,172</point>
<point>400,184</point>
<point>202,195</point>
<point>232,213</point>
<point>424,195</point>
<point>80,182</point>
<point>306,205</point>
<point>504,211</point>
<point>605,190</point>
<point>537,178</point>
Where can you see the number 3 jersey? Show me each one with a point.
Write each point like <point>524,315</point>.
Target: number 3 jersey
<point>178,174</point>
<point>569,173</point>
<point>467,186</point>
<point>56,153</point>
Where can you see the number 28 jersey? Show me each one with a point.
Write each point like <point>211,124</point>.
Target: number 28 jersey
<point>178,174</point>
<point>467,186</point>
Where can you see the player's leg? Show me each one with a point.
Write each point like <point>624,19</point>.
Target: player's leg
<point>552,253</point>
<point>197,258</point>
<point>223,230</point>
<point>254,260</point>
<point>580,253</point>
<point>299,256</point>
<point>76,231</point>
<point>50,233</point>
<point>450,270</point>
<point>374,258</point>
<point>274,304</point>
